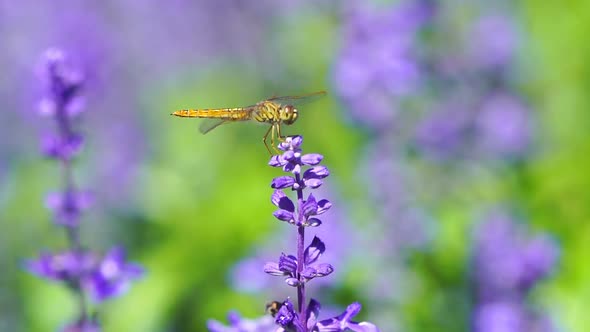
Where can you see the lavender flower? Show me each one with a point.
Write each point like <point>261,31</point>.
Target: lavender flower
<point>507,265</point>
<point>306,173</point>
<point>504,126</point>
<point>101,277</point>
<point>492,42</point>
<point>289,320</point>
<point>302,268</point>
<point>379,62</point>
<point>63,84</point>
<point>87,273</point>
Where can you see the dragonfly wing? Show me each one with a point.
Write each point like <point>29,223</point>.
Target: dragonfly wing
<point>209,124</point>
<point>298,100</point>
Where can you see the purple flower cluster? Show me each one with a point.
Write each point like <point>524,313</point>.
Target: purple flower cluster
<point>306,173</point>
<point>507,264</point>
<point>288,318</point>
<point>301,268</point>
<point>380,61</point>
<point>100,277</point>
<point>63,101</point>
<point>88,274</point>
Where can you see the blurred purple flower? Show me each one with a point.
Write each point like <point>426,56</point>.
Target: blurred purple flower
<point>239,324</point>
<point>509,316</point>
<point>504,126</point>
<point>102,277</point>
<point>67,207</point>
<point>507,263</point>
<point>113,276</point>
<point>378,63</point>
<point>492,42</point>
<point>82,326</point>
<point>68,266</point>
<point>500,317</point>
<point>498,126</point>
<point>63,102</point>
<point>85,272</point>
<point>443,133</point>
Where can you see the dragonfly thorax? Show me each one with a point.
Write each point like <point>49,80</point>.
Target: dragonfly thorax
<point>288,114</point>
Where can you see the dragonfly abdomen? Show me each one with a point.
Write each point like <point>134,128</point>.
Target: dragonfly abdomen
<point>238,113</point>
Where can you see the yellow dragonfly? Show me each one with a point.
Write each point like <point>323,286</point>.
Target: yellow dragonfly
<point>274,111</point>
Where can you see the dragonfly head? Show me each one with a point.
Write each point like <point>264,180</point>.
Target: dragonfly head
<point>289,114</point>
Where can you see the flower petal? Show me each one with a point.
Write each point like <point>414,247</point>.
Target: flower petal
<point>280,199</point>
<point>296,141</point>
<point>283,215</point>
<point>343,322</point>
<point>288,263</point>
<point>276,161</point>
<point>282,182</point>
<point>309,273</point>
<point>313,183</point>
<point>314,250</point>
<point>293,282</point>
<point>323,206</point>
<point>313,312</point>
<point>313,222</point>
<point>272,268</point>
<point>324,269</point>
<point>311,159</point>
<point>318,172</point>
<point>310,207</point>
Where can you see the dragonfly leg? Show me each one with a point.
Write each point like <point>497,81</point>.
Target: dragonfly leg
<point>279,136</point>
<point>266,136</point>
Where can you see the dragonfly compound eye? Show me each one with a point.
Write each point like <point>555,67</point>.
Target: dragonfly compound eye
<point>290,114</point>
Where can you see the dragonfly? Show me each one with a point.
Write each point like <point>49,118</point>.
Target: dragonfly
<point>275,111</point>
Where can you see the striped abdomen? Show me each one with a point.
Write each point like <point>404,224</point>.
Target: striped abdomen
<point>238,113</point>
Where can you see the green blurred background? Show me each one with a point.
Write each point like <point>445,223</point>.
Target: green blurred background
<point>188,207</point>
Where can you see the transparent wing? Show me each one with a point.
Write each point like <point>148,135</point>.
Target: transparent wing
<point>209,124</point>
<point>298,100</point>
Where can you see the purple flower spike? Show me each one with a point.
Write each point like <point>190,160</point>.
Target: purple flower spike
<point>306,173</point>
<point>86,273</point>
